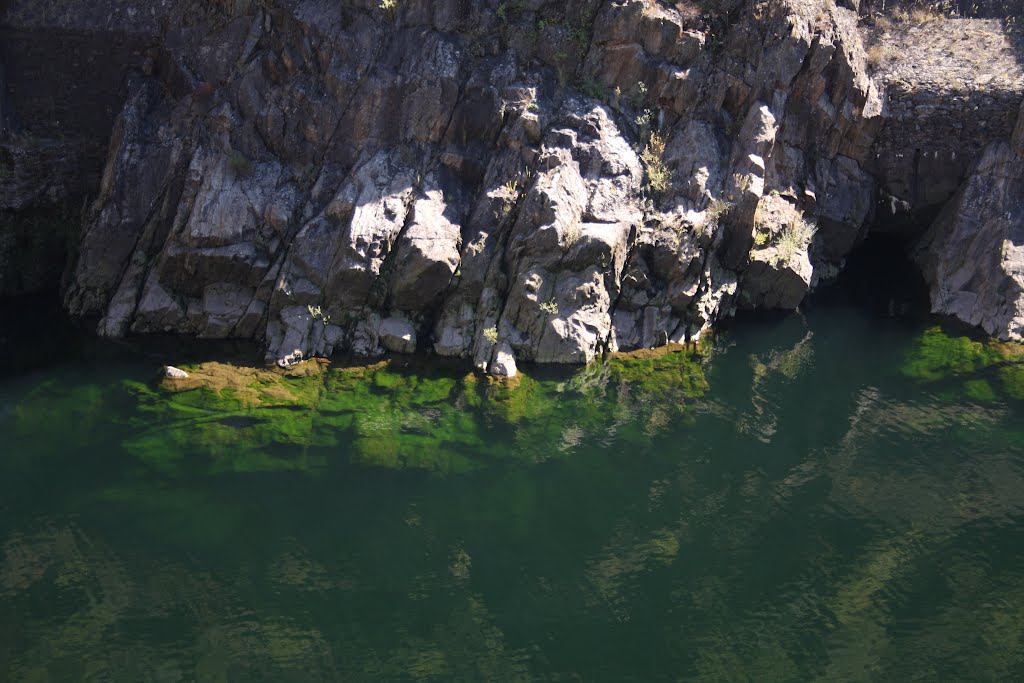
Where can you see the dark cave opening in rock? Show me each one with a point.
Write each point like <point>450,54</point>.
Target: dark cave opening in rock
<point>880,278</point>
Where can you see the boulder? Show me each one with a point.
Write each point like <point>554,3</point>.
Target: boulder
<point>397,335</point>
<point>570,240</point>
<point>172,372</point>
<point>779,272</point>
<point>293,358</point>
<point>504,363</point>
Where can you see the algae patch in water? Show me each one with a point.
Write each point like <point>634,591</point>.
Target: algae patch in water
<point>984,370</point>
<point>396,415</point>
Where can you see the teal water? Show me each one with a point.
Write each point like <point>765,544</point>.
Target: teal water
<point>837,495</point>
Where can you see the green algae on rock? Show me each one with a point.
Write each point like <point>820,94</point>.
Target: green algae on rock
<point>428,417</point>
<point>988,368</point>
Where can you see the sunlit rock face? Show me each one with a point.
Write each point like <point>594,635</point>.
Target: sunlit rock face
<point>547,181</point>
<point>973,256</point>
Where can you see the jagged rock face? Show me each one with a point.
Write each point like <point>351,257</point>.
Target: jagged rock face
<point>476,178</point>
<point>973,256</point>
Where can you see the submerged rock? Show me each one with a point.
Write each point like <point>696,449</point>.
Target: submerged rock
<point>404,414</point>
<point>988,369</point>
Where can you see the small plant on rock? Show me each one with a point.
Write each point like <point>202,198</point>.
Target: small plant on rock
<point>639,95</point>
<point>591,89</point>
<point>876,57</point>
<point>550,307</point>
<point>561,66</point>
<point>659,177</point>
<point>795,238</point>
<point>716,211</point>
<point>317,314</point>
<point>643,123</point>
<point>579,35</point>
<point>491,335</point>
<point>572,234</point>
<point>689,11</point>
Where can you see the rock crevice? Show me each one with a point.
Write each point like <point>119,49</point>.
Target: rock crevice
<point>505,182</point>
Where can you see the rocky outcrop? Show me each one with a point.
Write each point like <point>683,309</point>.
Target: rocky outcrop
<point>505,182</point>
<point>952,145</point>
<point>973,256</point>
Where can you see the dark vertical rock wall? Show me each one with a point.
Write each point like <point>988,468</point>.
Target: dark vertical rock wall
<point>62,85</point>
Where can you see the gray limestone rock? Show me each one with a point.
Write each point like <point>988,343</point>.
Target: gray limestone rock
<point>570,240</point>
<point>779,274</point>
<point>1017,139</point>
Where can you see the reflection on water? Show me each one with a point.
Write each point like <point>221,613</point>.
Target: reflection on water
<point>820,498</point>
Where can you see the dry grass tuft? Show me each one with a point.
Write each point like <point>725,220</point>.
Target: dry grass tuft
<point>877,57</point>
<point>659,177</point>
<point>689,11</point>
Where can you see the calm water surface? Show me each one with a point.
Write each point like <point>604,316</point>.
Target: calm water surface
<point>837,495</point>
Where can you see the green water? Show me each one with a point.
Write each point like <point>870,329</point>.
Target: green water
<point>831,496</point>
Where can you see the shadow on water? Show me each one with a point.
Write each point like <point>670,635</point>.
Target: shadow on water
<point>35,334</point>
<point>878,280</point>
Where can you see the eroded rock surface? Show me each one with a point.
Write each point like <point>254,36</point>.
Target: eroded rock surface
<point>973,256</point>
<point>503,182</point>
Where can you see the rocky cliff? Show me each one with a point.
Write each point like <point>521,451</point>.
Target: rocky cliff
<point>503,181</point>
<point>973,255</point>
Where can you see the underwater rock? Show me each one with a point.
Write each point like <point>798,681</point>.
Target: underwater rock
<point>401,413</point>
<point>985,369</point>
